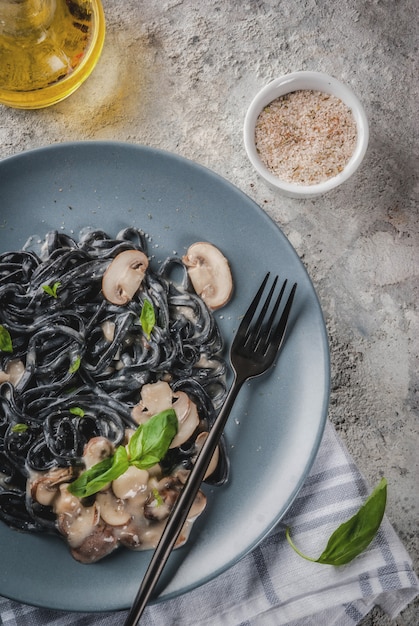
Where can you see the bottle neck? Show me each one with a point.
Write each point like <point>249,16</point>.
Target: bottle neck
<point>20,17</point>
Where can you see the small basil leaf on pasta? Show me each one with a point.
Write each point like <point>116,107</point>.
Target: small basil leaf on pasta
<point>5,340</point>
<point>75,365</point>
<point>353,536</point>
<point>52,290</point>
<point>20,428</point>
<point>147,318</point>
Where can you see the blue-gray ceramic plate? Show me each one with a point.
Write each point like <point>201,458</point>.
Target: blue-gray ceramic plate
<point>277,422</point>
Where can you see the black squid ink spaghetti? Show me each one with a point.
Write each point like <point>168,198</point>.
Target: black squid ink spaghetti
<point>110,374</point>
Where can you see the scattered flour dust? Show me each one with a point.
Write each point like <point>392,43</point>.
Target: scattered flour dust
<point>306,136</point>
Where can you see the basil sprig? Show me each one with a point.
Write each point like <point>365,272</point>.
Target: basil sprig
<point>52,290</point>
<point>147,446</point>
<point>151,440</point>
<point>353,536</point>
<point>5,340</point>
<point>95,478</point>
<point>147,318</point>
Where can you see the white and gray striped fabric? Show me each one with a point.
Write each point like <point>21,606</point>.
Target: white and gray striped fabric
<point>273,586</point>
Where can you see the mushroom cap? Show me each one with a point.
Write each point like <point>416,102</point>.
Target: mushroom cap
<point>98,544</point>
<point>46,485</point>
<point>188,418</point>
<point>210,273</point>
<point>155,397</point>
<point>162,499</point>
<point>158,396</point>
<point>108,329</point>
<point>75,521</point>
<point>198,505</point>
<point>112,509</point>
<point>97,449</point>
<point>130,483</point>
<point>13,372</point>
<point>124,276</point>
<point>200,440</point>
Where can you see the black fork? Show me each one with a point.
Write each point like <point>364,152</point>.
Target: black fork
<point>253,351</point>
<point>260,334</point>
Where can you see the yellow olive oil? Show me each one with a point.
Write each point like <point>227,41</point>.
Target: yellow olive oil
<point>47,49</point>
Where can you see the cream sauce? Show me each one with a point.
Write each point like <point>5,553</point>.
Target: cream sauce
<point>132,511</point>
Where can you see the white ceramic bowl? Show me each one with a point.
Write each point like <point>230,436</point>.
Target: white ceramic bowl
<point>315,81</point>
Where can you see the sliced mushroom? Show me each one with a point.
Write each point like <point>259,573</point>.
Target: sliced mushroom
<point>181,474</point>
<point>66,503</point>
<point>124,276</point>
<point>98,544</point>
<point>210,274</point>
<point>13,372</point>
<point>131,536</point>
<point>188,418</point>
<point>108,329</point>
<point>112,509</point>
<point>198,506</point>
<point>75,521</point>
<point>155,397</point>
<point>130,483</point>
<point>162,499</point>
<point>45,487</point>
<point>200,440</point>
<point>97,449</point>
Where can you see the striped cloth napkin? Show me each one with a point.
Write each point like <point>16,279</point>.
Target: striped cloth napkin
<point>273,586</point>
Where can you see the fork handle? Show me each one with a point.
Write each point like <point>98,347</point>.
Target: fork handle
<point>181,509</point>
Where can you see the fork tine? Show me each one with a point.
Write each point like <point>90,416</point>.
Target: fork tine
<point>248,316</point>
<point>270,324</point>
<point>277,334</point>
<point>255,331</point>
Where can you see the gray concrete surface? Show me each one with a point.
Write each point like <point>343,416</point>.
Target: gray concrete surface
<point>179,75</point>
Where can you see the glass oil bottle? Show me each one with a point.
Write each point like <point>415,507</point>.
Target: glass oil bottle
<point>47,49</point>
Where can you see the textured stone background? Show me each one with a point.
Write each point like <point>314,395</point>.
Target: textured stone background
<point>179,75</point>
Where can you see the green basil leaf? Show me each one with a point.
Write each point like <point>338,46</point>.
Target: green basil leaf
<point>75,365</point>
<point>135,444</point>
<point>5,340</point>
<point>52,291</point>
<point>147,446</point>
<point>151,440</point>
<point>146,461</point>
<point>20,428</point>
<point>79,486</point>
<point>353,536</point>
<point>76,410</point>
<point>98,476</point>
<point>147,318</point>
